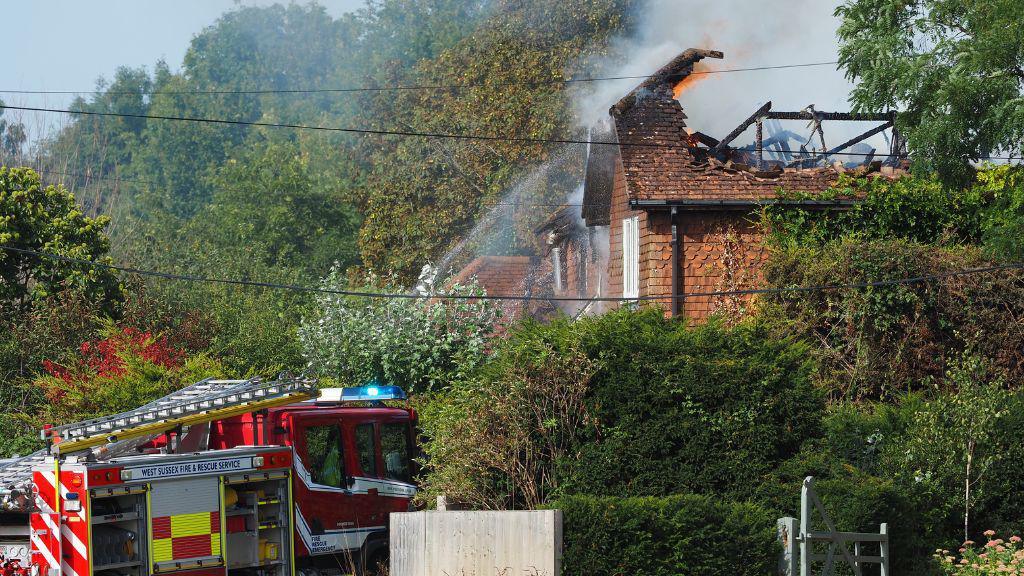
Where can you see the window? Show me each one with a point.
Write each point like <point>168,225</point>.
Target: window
<point>394,444</point>
<point>631,257</point>
<point>323,455</point>
<point>366,444</point>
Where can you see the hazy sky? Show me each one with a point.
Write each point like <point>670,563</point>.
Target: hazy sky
<point>67,44</point>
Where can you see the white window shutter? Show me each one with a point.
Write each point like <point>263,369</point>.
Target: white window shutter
<point>631,257</point>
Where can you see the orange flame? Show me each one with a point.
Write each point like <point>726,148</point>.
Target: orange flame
<point>698,75</point>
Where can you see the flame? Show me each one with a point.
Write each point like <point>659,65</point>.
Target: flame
<point>694,78</point>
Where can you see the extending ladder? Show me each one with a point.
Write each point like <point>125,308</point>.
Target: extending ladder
<point>203,401</point>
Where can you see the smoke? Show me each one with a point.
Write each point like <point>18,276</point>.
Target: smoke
<point>751,34</point>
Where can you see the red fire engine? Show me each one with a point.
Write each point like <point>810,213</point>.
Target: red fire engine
<point>223,478</point>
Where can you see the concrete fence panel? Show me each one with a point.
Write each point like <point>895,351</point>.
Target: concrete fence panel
<point>500,543</point>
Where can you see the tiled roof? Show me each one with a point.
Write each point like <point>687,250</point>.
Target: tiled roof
<point>661,160</point>
<point>499,275</point>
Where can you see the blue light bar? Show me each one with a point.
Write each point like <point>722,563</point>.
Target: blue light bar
<point>372,392</point>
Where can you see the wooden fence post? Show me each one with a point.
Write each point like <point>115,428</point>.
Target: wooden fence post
<point>787,536</point>
<point>883,547</point>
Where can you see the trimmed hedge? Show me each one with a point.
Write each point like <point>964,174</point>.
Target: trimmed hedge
<point>673,535</point>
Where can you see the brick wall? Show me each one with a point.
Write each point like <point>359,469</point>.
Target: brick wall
<point>720,251</point>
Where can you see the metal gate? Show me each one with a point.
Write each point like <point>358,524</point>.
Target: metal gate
<point>810,551</point>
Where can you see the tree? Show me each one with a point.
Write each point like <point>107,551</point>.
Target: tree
<point>954,439</point>
<point>12,137</point>
<point>47,219</point>
<point>954,68</point>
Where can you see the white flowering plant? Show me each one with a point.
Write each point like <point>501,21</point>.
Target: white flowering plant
<point>421,343</point>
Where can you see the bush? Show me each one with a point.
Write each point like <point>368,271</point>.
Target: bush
<point>674,535</point>
<point>877,342</point>
<point>707,409</point>
<point>664,409</point>
<point>420,345</point>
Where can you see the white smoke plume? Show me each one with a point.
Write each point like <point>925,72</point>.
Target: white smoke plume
<point>751,34</point>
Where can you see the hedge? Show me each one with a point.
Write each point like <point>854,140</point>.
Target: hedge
<point>660,536</point>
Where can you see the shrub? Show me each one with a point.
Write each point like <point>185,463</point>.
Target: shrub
<point>123,370</point>
<point>673,535</point>
<point>707,409</point>
<point>420,345</point>
<point>878,341</point>
<point>664,409</point>
<point>495,441</point>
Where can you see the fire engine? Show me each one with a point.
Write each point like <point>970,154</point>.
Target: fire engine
<point>222,478</point>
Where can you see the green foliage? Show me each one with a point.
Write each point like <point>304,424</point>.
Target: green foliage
<point>418,344</point>
<point>705,409</point>
<point>674,535</point>
<point>47,219</point>
<point>117,374</point>
<point>877,341</point>
<point>916,209</point>
<point>954,440</point>
<point>496,440</point>
<point>665,409</point>
<point>1004,223</point>
<point>953,68</point>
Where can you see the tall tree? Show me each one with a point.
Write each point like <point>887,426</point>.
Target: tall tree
<point>954,68</point>
<point>47,219</point>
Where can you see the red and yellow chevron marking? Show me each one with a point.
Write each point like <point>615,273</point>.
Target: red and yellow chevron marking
<point>185,536</point>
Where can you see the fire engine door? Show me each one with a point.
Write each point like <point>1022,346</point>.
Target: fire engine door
<point>185,524</point>
<point>334,511</point>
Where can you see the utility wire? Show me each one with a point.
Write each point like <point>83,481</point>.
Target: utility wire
<point>405,133</point>
<point>151,183</point>
<point>510,297</point>
<point>407,87</point>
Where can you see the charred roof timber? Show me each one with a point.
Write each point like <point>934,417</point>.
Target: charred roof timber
<point>665,163</point>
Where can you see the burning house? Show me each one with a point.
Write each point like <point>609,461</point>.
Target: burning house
<point>668,213</point>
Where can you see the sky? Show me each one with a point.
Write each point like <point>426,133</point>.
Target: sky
<point>68,44</point>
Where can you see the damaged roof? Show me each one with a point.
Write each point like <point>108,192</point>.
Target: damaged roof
<point>661,160</point>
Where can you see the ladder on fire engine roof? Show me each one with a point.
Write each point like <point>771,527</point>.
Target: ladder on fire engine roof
<point>204,401</point>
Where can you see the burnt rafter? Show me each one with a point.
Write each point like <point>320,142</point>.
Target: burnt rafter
<point>761,114</point>
<point>816,115</point>
<point>847,144</point>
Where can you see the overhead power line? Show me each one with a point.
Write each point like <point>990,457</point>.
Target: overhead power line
<point>412,87</point>
<point>86,176</point>
<point>512,297</point>
<point>402,133</point>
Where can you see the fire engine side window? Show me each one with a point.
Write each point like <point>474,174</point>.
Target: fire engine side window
<point>394,444</point>
<point>323,455</point>
<point>365,444</point>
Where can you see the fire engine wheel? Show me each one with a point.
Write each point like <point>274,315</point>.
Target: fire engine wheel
<point>375,564</point>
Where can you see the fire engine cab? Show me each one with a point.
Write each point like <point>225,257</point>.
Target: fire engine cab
<point>223,478</point>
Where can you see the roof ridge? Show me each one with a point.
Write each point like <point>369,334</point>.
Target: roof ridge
<point>665,79</point>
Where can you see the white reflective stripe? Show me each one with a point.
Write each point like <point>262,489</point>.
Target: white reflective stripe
<point>43,506</point>
<point>50,478</point>
<point>77,544</point>
<point>39,547</point>
<point>67,569</point>
<point>360,486</point>
<point>332,540</point>
<point>50,523</point>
